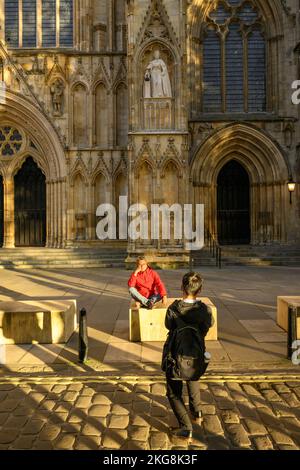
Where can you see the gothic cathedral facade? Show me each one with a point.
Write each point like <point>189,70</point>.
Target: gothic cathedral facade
<point>163,101</point>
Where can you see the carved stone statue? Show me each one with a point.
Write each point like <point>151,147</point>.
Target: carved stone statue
<point>156,80</point>
<point>35,66</point>
<point>57,92</point>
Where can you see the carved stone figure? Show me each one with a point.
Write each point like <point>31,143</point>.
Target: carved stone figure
<point>57,92</point>
<point>156,79</point>
<point>35,66</point>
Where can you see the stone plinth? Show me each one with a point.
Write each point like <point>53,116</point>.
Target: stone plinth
<point>33,321</point>
<point>283,303</point>
<point>158,113</point>
<point>149,325</point>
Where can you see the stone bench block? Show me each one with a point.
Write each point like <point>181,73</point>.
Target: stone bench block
<point>149,325</point>
<point>33,321</point>
<point>283,303</point>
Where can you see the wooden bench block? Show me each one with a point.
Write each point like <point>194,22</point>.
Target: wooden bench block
<point>149,325</point>
<point>283,303</point>
<point>32,321</point>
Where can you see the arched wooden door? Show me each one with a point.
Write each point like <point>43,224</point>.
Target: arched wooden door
<point>30,205</point>
<point>233,205</point>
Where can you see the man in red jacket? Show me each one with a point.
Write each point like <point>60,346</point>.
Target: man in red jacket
<point>145,285</point>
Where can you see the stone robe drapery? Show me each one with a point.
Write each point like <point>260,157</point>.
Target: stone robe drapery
<point>157,81</point>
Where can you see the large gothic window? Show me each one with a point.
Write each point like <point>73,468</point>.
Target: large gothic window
<point>39,23</point>
<point>234,59</point>
<point>12,22</point>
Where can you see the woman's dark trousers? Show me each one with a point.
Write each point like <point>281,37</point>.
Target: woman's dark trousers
<point>174,394</point>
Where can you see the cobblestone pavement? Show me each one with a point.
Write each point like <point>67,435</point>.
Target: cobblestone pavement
<point>128,413</point>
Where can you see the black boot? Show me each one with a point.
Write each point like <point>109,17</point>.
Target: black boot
<point>181,432</point>
<point>196,416</point>
<point>150,304</point>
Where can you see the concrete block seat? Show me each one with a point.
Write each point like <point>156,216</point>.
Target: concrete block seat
<point>34,321</point>
<point>283,304</point>
<point>149,325</point>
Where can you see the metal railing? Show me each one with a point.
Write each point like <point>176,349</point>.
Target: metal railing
<point>214,248</point>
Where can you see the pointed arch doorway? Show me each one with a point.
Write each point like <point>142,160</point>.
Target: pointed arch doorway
<point>30,205</point>
<point>233,199</point>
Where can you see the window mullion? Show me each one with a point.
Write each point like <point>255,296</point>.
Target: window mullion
<point>39,23</point>
<point>223,71</point>
<point>200,48</point>
<point>246,88</point>
<point>57,23</point>
<point>20,23</point>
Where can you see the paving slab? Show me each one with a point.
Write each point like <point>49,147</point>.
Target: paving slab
<point>261,326</point>
<point>269,337</point>
<point>246,298</point>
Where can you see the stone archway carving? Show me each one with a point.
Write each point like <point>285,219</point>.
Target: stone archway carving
<point>268,171</point>
<point>272,11</point>
<point>45,146</point>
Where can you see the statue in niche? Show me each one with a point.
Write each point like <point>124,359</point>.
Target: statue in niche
<point>156,80</point>
<point>35,66</point>
<point>57,92</point>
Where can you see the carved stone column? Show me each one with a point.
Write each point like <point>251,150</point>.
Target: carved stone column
<point>70,213</point>
<point>55,214</point>
<point>90,206</point>
<point>111,25</point>
<point>59,238</point>
<point>48,214</point>
<point>83,22</point>
<point>9,213</point>
<point>254,214</point>
<point>64,211</point>
<point>111,126</point>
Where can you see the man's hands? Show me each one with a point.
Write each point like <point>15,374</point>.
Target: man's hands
<point>138,270</point>
<point>164,300</point>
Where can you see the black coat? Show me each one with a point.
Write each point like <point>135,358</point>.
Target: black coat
<point>195,315</point>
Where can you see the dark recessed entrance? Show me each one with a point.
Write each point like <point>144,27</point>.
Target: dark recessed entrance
<point>1,211</point>
<point>30,205</point>
<point>233,205</point>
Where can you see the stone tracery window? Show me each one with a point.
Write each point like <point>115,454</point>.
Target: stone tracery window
<point>234,58</point>
<point>10,141</point>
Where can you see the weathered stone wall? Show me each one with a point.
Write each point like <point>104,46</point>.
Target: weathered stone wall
<point>88,121</point>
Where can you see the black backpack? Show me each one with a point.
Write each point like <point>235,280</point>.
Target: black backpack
<point>184,353</point>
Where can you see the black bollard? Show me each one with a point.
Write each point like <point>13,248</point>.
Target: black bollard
<point>293,315</point>
<point>83,336</point>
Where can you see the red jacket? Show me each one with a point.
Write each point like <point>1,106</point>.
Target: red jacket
<point>147,283</point>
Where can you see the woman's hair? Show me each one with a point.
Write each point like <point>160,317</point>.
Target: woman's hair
<point>141,258</point>
<point>192,283</point>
